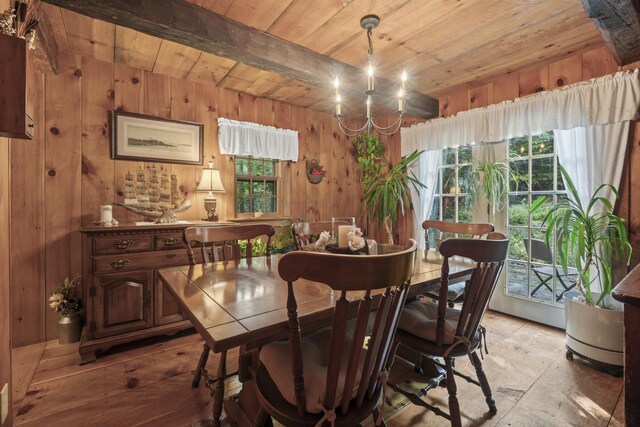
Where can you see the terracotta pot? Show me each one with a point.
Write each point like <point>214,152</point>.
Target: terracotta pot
<point>69,328</point>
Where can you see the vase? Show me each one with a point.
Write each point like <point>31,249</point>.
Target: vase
<point>69,328</point>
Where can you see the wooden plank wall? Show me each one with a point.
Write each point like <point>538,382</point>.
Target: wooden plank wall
<point>5,261</point>
<point>573,69</point>
<point>60,179</point>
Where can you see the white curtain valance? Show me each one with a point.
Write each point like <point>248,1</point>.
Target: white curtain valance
<point>252,139</point>
<point>609,99</point>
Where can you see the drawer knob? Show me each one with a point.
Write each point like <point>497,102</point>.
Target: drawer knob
<point>123,244</point>
<point>170,241</point>
<point>171,256</point>
<point>119,263</point>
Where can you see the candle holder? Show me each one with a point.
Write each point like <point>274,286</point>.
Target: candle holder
<point>340,226</point>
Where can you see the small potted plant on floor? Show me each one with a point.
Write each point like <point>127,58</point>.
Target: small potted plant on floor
<point>590,236</point>
<point>65,302</point>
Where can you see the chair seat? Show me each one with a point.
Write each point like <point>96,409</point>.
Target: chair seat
<point>417,329</point>
<point>548,270</point>
<point>454,291</point>
<point>316,350</point>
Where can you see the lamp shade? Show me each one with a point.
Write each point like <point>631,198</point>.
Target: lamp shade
<point>210,180</point>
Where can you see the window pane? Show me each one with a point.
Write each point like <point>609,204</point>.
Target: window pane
<point>448,180</point>
<point>517,249</point>
<point>257,204</point>
<point>464,155</point>
<point>448,208</point>
<point>242,187</point>
<point>272,204</point>
<point>269,168</point>
<point>242,166</point>
<point>242,204</point>
<point>464,179</point>
<point>542,174</point>
<point>537,217</point>
<point>258,187</point>
<point>464,209</point>
<point>270,187</point>
<point>519,147</point>
<point>522,169</point>
<point>542,144</point>
<point>449,156</point>
<point>518,209</point>
<point>256,167</point>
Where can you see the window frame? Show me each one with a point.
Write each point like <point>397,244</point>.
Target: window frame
<point>276,179</point>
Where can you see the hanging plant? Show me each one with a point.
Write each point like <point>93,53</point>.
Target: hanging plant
<point>315,172</point>
<point>369,153</point>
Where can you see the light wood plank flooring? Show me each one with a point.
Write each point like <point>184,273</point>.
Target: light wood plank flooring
<point>145,385</point>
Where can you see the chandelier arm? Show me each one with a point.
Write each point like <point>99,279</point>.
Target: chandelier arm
<point>383,130</point>
<point>398,120</point>
<point>344,127</point>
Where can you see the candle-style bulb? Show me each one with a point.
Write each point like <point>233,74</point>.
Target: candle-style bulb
<point>370,70</point>
<point>403,76</point>
<point>336,83</point>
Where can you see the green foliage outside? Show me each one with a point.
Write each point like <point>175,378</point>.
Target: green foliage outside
<point>282,241</point>
<point>258,247</point>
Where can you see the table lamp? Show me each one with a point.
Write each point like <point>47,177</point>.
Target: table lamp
<point>210,181</point>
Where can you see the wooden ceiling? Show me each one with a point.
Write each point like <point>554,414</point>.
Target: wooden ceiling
<point>445,45</point>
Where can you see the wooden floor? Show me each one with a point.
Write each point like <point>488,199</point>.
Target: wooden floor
<point>145,385</point>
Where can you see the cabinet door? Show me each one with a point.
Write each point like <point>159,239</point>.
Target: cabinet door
<point>167,309</point>
<point>122,303</point>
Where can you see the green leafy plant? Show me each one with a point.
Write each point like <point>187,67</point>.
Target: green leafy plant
<point>63,299</point>
<point>369,152</point>
<point>385,192</point>
<point>283,239</point>
<point>587,236</point>
<point>258,247</point>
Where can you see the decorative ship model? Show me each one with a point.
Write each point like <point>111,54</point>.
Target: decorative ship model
<point>152,198</point>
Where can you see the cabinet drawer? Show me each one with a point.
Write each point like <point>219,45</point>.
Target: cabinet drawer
<point>133,261</point>
<point>169,241</point>
<point>121,244</point>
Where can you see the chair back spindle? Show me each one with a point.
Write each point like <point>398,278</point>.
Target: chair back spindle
<point>221,243</point>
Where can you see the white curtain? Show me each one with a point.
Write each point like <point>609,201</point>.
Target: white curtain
<point>609,99</point>
<point>252,139</point>
<point>425,168</point>
<point>593,155</point>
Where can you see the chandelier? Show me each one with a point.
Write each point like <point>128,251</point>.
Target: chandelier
<point>368,23</point>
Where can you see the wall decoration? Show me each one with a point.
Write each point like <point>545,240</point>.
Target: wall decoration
<point>315,172</point>
<point>154,139</point>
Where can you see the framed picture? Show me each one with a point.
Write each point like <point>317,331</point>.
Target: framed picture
<point>154,139</point>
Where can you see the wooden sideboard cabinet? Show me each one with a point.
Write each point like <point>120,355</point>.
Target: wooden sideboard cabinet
<point>124,300</point>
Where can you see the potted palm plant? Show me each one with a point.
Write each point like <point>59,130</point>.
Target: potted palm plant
<point>590,236</point>
<point>385,192</point>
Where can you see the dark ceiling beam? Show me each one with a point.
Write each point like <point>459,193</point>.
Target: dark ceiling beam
<point>190,25</point>
<point>619,25</point>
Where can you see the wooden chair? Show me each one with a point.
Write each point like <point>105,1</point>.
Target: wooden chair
<point>307,232</point>
<point>328,376</point>
<point>221,243</point>
<point>435,330</point>
<point>453,229</point>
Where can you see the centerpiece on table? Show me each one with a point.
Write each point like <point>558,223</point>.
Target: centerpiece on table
<point>65,302</point>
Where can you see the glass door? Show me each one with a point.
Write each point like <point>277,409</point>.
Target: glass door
<point>533,285</point>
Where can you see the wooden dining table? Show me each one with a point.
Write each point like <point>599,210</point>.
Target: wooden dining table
<point>242,304</point>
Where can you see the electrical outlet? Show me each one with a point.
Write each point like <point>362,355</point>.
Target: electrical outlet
<point>4,403</point>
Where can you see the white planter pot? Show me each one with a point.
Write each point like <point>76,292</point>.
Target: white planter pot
<point>593,332</point>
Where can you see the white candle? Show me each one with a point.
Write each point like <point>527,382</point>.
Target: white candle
<point>343,230</point>
<point>106,213</point>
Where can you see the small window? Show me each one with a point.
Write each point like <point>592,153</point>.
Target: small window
<point>256,185</point>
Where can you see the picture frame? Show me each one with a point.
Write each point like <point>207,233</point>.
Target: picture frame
<point>145,138</point>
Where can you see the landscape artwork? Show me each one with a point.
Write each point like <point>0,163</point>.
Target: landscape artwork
<point>146,138</point>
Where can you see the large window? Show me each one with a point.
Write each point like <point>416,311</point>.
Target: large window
<point>532,270</point>
<point>451,201</point>
<point>256,185</point>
